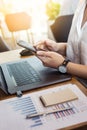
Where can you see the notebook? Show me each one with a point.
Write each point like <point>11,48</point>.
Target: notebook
<point>27,74</point>
<point>53,98</point>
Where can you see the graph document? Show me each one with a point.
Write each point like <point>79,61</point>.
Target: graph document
<point>13,111</point>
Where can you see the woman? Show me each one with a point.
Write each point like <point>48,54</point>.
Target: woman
<point>75,50</point>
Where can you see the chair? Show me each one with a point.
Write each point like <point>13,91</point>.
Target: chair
<point>18,22</point>
<point>3,46</point>
<point>61,27</point>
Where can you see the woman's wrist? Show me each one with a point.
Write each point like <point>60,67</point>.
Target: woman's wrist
<point>61,48</point>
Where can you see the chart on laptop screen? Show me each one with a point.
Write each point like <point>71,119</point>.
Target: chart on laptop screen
<point>13,111</point>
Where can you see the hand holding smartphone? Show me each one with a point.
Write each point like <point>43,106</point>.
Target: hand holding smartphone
<point>28,46</point>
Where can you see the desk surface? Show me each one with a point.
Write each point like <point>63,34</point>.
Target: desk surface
<point>14,55</point>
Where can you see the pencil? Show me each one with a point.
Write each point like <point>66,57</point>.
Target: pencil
<point>47,112</point>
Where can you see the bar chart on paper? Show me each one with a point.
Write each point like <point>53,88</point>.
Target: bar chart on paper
<point>13,112</point>
<point>25,106</point>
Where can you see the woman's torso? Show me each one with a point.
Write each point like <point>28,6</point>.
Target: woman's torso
<point>77,41</point>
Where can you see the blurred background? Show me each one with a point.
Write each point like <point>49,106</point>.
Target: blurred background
<point>40,13</point>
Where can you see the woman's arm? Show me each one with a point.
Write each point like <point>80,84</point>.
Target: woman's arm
<point>77,70</point>
<point>53,59</point>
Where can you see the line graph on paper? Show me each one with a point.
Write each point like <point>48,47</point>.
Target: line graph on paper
<point>30,104</point>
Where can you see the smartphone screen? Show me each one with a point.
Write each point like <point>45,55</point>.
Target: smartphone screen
<point>26,45</point>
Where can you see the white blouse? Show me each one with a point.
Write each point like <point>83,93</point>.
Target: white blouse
<point>77,41</point>
<point>68,7</point>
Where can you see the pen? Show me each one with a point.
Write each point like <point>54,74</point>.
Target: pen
<point>47,112</point>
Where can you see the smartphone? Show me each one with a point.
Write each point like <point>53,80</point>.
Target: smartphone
<point>26,45</point>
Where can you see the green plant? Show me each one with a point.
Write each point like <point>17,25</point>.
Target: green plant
<point>52,10</point>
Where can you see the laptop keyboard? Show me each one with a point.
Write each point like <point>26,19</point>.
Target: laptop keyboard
<point>23,73</point>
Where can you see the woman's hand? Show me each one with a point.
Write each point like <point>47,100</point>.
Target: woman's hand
<point>50,59</point>
<point>49,45</point>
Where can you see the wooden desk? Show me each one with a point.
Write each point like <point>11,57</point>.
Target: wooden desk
<point>14,55</point>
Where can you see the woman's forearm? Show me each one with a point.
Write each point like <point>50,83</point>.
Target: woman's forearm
<point>77,70</point>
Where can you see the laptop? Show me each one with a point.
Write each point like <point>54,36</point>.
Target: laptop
<point>27,74</point>
<point>82,81</point>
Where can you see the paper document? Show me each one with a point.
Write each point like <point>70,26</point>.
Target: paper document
<point>13,111</point>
